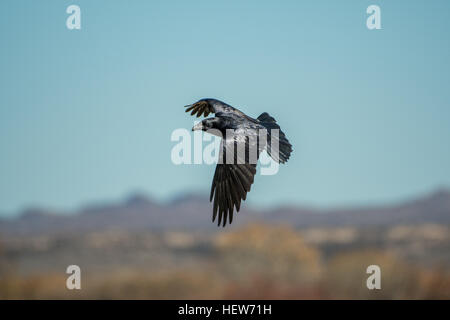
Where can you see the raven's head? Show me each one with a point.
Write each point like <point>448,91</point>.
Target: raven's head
<point>207,124</point>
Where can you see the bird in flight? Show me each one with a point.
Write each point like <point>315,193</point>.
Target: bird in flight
<point>243,139</point>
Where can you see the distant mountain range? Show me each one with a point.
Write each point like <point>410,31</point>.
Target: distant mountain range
<point>193,212</point>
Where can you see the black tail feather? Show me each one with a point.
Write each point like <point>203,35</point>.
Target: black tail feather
<point>284,147</point>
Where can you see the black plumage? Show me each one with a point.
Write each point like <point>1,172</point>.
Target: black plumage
<point>243,139</point>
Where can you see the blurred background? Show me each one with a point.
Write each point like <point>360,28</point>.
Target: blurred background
<point>86,176</point>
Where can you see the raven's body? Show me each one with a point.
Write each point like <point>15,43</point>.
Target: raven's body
<point>233,177</point>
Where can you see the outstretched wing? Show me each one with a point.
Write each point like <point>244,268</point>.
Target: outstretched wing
<point>206,106</point>
<point>230,185</point>
<point>233,179</point>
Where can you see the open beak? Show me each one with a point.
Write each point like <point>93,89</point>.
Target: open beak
<point>198,126</point>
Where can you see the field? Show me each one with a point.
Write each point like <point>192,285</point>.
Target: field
<point>255,261</point>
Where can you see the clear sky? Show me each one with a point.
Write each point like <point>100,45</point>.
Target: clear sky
<point>86,115</point>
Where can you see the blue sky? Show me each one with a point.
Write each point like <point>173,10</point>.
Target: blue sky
<point>86,115</point>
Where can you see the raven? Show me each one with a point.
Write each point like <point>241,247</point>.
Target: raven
<point>234,177</point>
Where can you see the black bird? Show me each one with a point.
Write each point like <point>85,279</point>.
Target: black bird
<point>234,177</point>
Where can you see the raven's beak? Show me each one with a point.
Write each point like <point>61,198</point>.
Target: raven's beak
<point>198,126</point>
